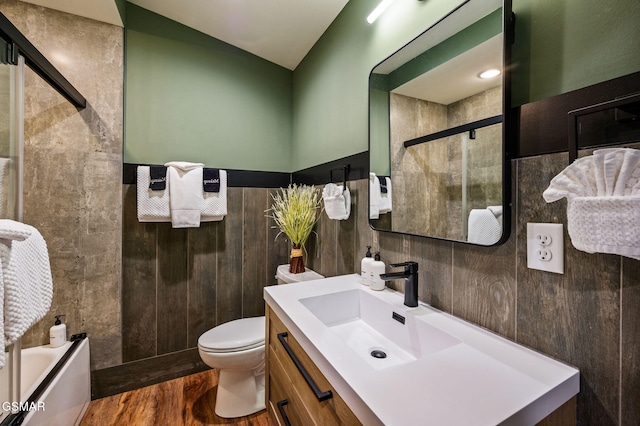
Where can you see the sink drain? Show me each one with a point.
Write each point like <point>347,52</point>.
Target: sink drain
<point>377,353</point>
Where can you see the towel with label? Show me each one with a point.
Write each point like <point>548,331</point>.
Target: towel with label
<point>385,205</point>
<point>214,203</point>
<point>153,205</point>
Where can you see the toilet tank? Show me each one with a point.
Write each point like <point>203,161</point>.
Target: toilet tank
<point>285,277</point>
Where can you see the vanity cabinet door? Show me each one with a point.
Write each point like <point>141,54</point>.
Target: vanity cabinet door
<point>331,410</point>
<point>284,401</point>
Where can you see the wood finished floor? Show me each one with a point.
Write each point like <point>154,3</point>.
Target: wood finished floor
<point>184,401</point>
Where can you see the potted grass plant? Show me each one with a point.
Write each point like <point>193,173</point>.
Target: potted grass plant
<point>295,212</point>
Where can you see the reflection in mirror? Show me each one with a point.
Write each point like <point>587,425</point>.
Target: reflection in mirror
<point>436,131</point>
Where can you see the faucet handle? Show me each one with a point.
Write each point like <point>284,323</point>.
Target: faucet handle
<point>410,266</point>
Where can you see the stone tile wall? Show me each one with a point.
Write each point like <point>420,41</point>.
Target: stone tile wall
<point>72,172</point>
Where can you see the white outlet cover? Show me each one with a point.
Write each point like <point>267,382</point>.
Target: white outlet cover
<point>556,247</point>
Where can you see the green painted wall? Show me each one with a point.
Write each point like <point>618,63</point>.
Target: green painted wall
<point>191,97</point>
<point>330,86</point>
<point>561,45</point>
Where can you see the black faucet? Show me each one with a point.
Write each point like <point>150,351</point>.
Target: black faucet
<point>410,275</point>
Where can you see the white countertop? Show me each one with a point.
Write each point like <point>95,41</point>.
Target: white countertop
<point>484,380</point>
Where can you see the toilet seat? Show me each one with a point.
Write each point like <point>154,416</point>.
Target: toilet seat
<point>233,336</point>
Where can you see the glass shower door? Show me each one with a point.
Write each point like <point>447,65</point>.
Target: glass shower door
<point>11,148</point>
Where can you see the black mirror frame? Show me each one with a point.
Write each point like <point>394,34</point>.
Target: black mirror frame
<point>509,124</point>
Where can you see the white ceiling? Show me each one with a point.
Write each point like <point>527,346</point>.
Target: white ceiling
<point>458,78</point>
<point>280,31</point>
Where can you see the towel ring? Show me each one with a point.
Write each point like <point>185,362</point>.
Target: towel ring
<point>345,174</point>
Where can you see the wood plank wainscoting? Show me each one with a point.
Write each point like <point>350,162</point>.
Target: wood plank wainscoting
<point>187,400</point>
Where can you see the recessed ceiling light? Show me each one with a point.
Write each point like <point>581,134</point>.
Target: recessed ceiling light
<point>489,73</point>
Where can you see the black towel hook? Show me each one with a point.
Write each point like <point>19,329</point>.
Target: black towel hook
<point>345,175</point>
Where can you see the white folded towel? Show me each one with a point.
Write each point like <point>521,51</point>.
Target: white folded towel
<point>337,201</point>
<point>603,201</point>
<point>386,204</point>
<point>185,193</point>
<point>374,196</point>
<point>153,206</point>
<point>485,226</point>
<point>27,288</point>
<point>214,204</point>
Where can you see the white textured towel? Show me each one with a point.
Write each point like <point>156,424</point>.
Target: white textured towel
<point>214,204</point>
<point>603,201</point>
<point>27,287</point>
<point>386,204</point>
<point>485,225</point>
<point>153,206</point>
<point>337,201</point>
<point>374,196</point>
<point>185,193</point>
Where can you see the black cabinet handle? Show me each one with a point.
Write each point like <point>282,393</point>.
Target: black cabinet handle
<point>322,396</point>
<point>283,414</point>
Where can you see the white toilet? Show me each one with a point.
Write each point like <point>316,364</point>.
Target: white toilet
<point>236,349</point>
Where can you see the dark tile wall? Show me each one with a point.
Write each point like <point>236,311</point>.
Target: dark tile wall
<point>179,283</point>
<point>587,317</point>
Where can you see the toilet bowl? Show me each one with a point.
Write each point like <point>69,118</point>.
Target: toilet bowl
<point>236,350</point>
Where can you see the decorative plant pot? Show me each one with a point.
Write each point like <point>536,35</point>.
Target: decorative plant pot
<point>296,263</point>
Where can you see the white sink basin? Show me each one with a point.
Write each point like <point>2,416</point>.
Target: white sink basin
<point>439,369</point>
<point>379,333</point>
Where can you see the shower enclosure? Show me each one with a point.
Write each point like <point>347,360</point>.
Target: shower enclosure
<point>15,52</point>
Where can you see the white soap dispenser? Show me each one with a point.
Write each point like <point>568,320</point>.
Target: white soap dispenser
<point>57,333</point>
<point>377,268</point>
<point>365,265</point>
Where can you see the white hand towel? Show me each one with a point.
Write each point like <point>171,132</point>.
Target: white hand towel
<point>484,227</point>
<point>185,193</point>
<point>603,201</point>
<point>337,202</point>
<point>153,206</point>
<point>386,204</point>
<point>374,196</point>
<point>27,287</point>
<point>214,204</point>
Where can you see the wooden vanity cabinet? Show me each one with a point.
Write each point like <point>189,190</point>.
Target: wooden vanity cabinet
<point>290,397</point>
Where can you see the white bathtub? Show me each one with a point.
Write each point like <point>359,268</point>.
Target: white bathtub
<point>67,396</point>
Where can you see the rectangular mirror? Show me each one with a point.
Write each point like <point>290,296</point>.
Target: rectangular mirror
<point>437,131</point>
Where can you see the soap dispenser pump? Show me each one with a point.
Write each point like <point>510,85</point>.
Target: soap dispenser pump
<point>365,265</point>
<point>377,268</point>
<point>57,333</point>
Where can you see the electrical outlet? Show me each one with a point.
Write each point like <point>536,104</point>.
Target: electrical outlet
<point>544,255</point>
<point>543,239</point>
<point>545,247</point>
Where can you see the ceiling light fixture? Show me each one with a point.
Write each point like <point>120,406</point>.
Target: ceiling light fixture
<point>378,10</point>
<point>489,73</point>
